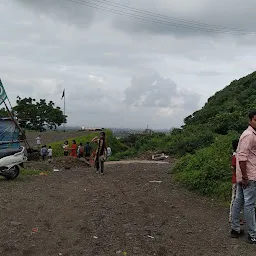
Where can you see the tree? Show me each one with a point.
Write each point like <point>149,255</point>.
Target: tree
<point>38,115</point>
<point>3,112</point>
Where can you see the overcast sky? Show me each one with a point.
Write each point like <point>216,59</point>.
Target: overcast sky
<point>119,71</point>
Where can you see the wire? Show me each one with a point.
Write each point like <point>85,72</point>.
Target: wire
<point>170,18</point>
<point>178,23</point>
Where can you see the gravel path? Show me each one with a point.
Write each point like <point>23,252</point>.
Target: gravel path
<point>134,208</point>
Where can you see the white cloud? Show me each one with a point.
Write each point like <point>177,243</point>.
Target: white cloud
<point>118,71</point>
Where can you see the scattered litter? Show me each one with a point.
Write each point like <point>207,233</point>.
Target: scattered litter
<point>85,189</point>
<point>150,237</point>
<point>155,181</point>
<point>118,252</point>
<point>95,237</point>
<point>125,253</point>
<point>159,157</point>
<point>56,170</point>
<point>35,230</point>
<point>60,254</point>
<point>43,174</point>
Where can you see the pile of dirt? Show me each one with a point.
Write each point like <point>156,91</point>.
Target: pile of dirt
<point>59,163</point>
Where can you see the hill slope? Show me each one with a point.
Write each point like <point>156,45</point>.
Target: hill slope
<point>228,108</point>
<point>203,144</point>
<point>206,168</point>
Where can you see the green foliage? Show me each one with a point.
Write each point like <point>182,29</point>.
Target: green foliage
<point>38,115</point>
<point>204,141</point>
<point>128,154</point>
<point>190,139</point>
<point>224,115</point>
<point>178,143</point>
<point>115,144</point>
<point>208,170</point>
<point>3,112</point>
<point>29,172</point>
<point>228,108</point>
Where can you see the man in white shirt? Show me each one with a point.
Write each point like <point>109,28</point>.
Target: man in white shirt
<point>50,154</point>
<point>109,151</point>
<point>38,141</point>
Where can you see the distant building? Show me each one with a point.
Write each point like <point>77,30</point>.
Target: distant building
<point>95,129</point>
<point>148,131</point>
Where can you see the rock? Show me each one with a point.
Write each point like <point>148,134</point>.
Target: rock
<point>15,223</point>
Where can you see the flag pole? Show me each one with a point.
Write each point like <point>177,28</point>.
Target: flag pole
<point>64,110</point>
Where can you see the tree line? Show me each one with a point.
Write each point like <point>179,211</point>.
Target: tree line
<point>36,115</point>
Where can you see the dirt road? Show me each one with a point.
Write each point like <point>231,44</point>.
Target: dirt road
<point>77,212</point>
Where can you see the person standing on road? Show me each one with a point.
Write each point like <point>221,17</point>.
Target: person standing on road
<point>80,150</point>
<point>88,149</point>
<point>101,152</point>
<point>246,182</point>
<point>73,149</point>
<point>233,166</point>
<point>44,152</point>
<point>109,152</point>
<point>65,148</point>
<point>38,141</point>
<point>49,153</point>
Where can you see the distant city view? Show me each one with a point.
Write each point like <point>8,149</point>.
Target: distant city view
<point>118,132</point>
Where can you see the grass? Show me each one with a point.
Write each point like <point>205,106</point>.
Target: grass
<point>115,144</point>
<point>29,172</point>
<point>128,154</point>
<point>208,170</point>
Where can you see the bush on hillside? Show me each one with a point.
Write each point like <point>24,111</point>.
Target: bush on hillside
<point>178,143</point>
<point>128,154</point>
<point>208,170</point>
<point>228,109</point>
<point>189,140</point>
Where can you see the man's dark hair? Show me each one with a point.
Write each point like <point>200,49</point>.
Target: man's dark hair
<point>235,144</point>
<point>103,133</point>
<point>252,114</point>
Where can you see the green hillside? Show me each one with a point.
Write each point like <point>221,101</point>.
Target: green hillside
<point>225,116</point>
<point>227,109</point>
<point>203,144</point>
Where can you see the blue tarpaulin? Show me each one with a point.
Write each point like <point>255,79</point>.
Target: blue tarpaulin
<point>9,134</point>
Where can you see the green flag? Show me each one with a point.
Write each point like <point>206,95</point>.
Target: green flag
<point>3,95</point>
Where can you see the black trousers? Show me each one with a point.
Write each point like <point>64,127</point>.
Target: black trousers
<point>99,165</point>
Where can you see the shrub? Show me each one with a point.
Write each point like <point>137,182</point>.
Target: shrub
<point>128,154</point>
<point>208,170</point>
